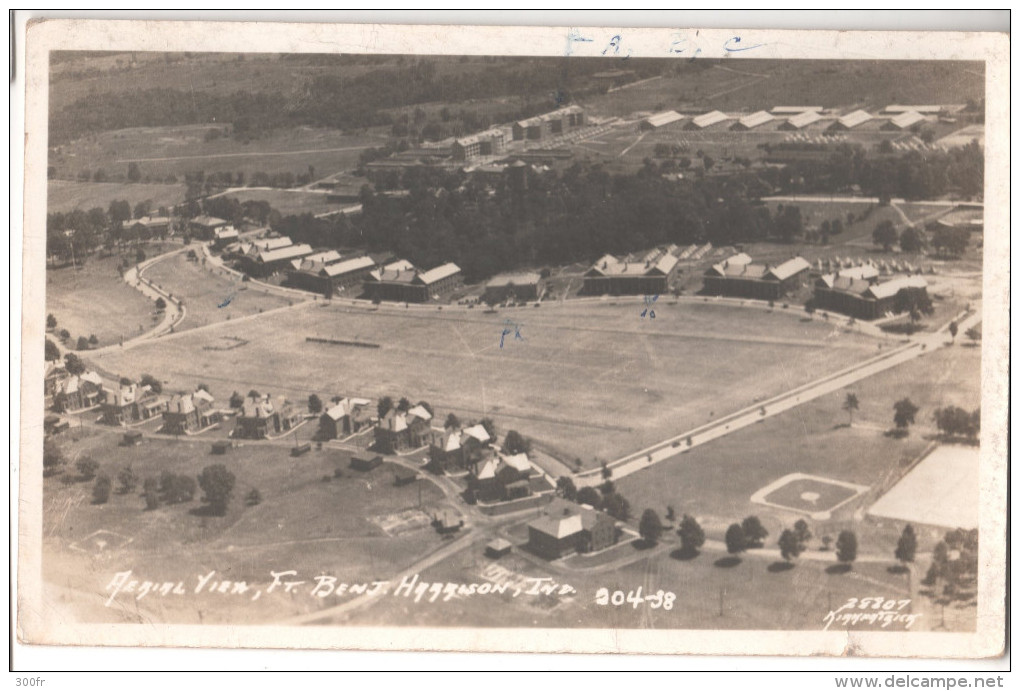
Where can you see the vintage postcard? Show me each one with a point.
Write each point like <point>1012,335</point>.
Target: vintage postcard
<point>541,339</point>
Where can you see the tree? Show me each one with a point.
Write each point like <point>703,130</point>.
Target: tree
<point>589,496</point>
<point>607,472</point>
<point>160,304</point>
<point>139,255</point>
<point>127,479</point>
<point>150,490</point>
<point>650,527</point>
<point>87,467</point>
<point>254,498</point>
<point>906,548</point>
<point>566,488</point>
<point>735,540</point>
<point>202,386</point>
<point>314,404</point>
<point>850,404</point>
<point>957,422</point>
<point>51,322</point>
<point>93,341</point>
<point>973,333</point>
<point>950,242</point>
<point>515,443</point>
<point>217,482</point>
<point>953,330</point>
<point>790,545</point>
<point>152,383</point>
<point>403,405</point>
<point>617,506</point>
<point>885,235</point>
<point>236,400</point>
<point>83,343</point>
<point>133,174</point>
<point>809,307</point>
<point>101,490</point>
<point>452,422</point>
<point>670,514</point>
<point>53,457</point>
<point>905,410</point>
<point>52,351</point>
<point>802,531</point>
<point>177,489</point>
<point>489,425</point>
<point>384,406</point>
<point>607,488</point>
<point>754,532</point>
<point>692,537</point>
<point>846,547</point>
<point>911,240</point>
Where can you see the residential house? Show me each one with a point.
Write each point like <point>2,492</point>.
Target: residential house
<point>402,430</point>
<point>346,416</point>
<point>264,416</point>
<point>132,403</point>
<point>757,281</point>
<point>190,413</point>
<point>52,381</point>
<point>79,392</point>
<point>457,449</point>
<point>565,528</point>
<point>648,274</point>
<point>502,478</point>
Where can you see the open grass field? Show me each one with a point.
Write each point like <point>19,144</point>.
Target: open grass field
<point>799,598</point>
<point>65,195</point>
<point>95,300</point>
<point>301,524</point>
<point>176,150</point>
<point>209,298</point>
<point>588,379</point>
<point>716,482</point>
<point>763,84</point>
<point>290,202</point>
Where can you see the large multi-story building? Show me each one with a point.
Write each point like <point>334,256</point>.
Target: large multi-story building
<point>549,124</point>
<point>488,143</point>
<point>526,286</point>
<point>400,281</point>
<point>564,529</point>
<point>738,276</point>
<point>863,296</point>
<point>330,278</point>
<point>648,274</point>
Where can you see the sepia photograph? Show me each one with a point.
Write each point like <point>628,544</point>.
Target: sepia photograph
<point>665,334</point>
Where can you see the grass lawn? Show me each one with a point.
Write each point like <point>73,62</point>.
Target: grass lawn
<point>204,292</point>
<point>798,598</point>
<point>95,300</point>
<point>589,379</point>
<point>715,482</point>
<point>290,202</point>
<point>65,195</point>
<point>302,523</point>
<point>176,150</point>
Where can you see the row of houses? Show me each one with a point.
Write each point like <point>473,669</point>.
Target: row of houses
<point>796,118</point>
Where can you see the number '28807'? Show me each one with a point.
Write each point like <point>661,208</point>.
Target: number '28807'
<point>619,598</point>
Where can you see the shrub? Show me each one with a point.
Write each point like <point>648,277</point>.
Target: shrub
<point>101,490</point>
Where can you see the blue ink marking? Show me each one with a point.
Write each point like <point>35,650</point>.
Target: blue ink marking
<point>226,302</point>
<point>507,330</point>
<point>736,39</point>
<point>574,36</point>
<point>649,300</point>
<point>676,46</point>
<point>614,43</point>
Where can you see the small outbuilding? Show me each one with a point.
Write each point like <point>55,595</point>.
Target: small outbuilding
<point>132,438</point>
<point>366,464</point>
<point>221,447</point>
<point>498,548</point>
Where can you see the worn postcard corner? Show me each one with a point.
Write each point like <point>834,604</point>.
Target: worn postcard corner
<point>514,339</point>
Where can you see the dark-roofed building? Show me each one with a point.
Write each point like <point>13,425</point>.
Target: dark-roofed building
<point>78,392</point>
<point>566,528</point>
<point>737,277</point>
<point>189,413</point>
<point>364,465</point>
<point>149,226</point>
<point>526,286</point>
<point>331,278</point>
<point>865,297</point>
<point>401,430</point>
<point>265,258</point>
<point>204,227</point>
<point>264,416</point>
<point>457,449</point>
<point>649,274</point>
<point>501,478</point>
<point>402,282</point>
<point>224,236</point>
<point>346,416</point>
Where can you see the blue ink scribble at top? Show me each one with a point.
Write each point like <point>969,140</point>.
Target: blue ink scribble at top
<point>574,36</point>
<point>731,47</point>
